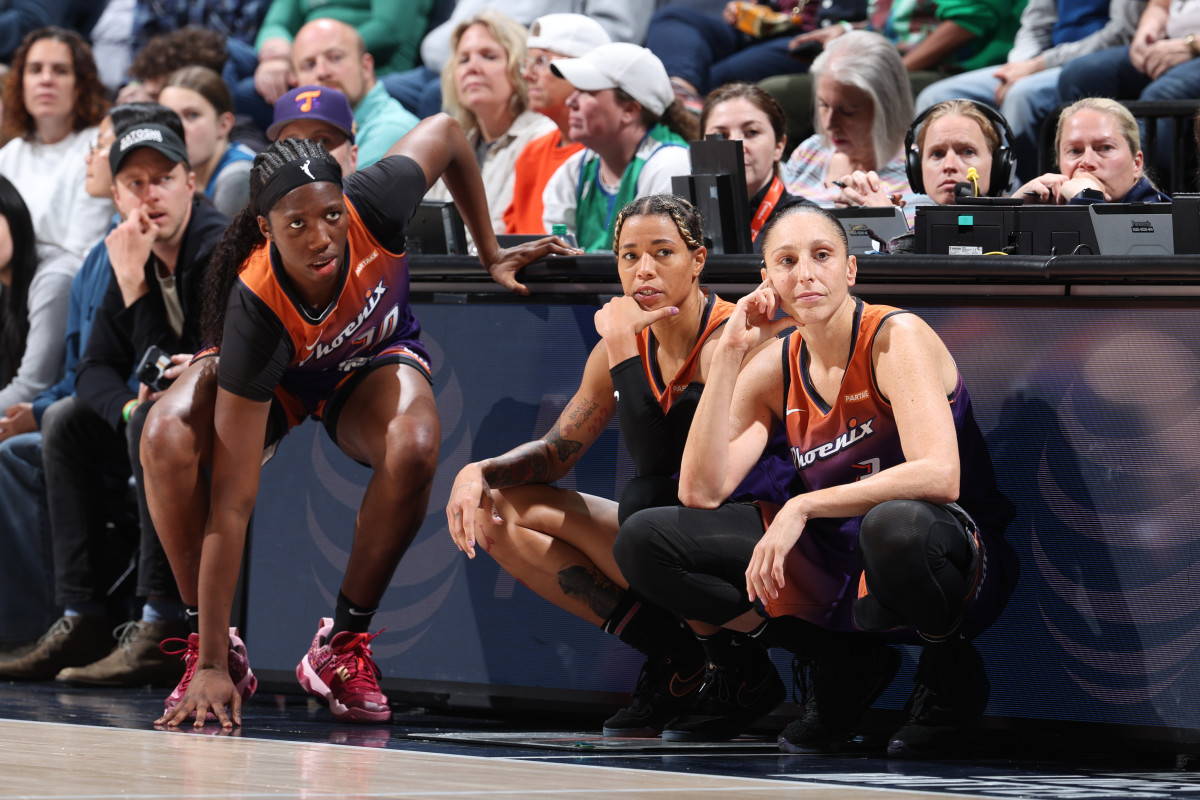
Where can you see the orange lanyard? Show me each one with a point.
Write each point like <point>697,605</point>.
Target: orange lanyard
<point>766,207</point>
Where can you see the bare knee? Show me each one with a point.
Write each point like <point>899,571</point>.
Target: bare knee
<point>411,447</point>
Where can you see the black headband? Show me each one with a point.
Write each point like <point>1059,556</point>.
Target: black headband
<point>295,174</point>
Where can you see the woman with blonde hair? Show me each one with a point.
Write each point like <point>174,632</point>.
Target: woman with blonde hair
<point>1099,153</point>
<point>484,91</point>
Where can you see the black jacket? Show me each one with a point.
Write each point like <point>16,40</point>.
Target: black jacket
<point>121,335</point>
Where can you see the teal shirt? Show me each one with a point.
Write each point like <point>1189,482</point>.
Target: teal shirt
<point>381,121</point>
<point>391,29</point>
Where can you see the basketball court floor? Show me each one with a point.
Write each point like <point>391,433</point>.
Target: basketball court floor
<point>60,743</point>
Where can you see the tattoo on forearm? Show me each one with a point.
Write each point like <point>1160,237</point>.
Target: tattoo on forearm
<point>532,462</point>
<point>600,594</point>
<point>563,448</point>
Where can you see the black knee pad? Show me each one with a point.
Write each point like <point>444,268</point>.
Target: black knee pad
<point>919,559</point>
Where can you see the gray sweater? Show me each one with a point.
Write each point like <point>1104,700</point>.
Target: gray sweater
<point>49,301</point>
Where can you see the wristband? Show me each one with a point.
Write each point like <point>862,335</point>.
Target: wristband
<point>128,409</point>
<point>846,26</point>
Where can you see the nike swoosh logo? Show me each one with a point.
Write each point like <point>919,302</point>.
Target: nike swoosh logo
<point>680,686</point>
<point>794,410</point>
<point>748,695</point>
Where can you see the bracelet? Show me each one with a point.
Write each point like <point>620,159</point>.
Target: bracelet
<point>1190,40</point>
<point>128,409</point>
<point>846,26</point>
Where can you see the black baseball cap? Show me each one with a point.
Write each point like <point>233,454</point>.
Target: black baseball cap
<point>147,134</point>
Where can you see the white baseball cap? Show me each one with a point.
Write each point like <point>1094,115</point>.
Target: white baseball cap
<point>632,69</point>
<point>572,35</point>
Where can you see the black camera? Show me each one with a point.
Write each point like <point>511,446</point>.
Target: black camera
<point>150,369</point>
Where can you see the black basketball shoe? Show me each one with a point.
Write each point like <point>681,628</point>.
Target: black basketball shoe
<point>848,673</point>
<point>733,696</point>
<point>667,686</point>
<point>950,695</point>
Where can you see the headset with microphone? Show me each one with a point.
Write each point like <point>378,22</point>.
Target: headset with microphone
<point>1004,163</point>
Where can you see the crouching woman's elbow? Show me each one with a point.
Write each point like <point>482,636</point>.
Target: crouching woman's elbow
<point>696,496</point>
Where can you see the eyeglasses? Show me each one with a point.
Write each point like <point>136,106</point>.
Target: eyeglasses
<point>94,149</point>
<point>538,63</point>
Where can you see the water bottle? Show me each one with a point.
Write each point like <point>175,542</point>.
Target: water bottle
<point>560,230</point>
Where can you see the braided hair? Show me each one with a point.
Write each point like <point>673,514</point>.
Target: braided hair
<point>680,211</point>
<point>243,234</point>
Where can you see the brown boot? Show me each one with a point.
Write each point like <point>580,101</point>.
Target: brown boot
<point>70,642</point>
<point>137,660</point>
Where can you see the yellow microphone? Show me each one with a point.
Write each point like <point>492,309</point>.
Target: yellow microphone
<point>973,177</point>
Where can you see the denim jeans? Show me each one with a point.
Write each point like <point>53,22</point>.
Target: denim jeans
<point>27,606</point>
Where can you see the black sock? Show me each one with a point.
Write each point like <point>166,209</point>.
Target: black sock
<point>646,627</point>
<point>349,617</point>
<point>793,634</point>
<point>720,647</point>
<point>192,615</point>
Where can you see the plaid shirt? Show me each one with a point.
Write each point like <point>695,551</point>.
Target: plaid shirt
<point>237,19</point>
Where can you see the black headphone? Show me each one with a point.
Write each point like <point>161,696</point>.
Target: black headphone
<point>1004,163</point>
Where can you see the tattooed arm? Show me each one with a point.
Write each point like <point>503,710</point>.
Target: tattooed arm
<point>541,461</point>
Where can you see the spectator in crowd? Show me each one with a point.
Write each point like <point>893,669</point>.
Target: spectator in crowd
<point>330,53</point>
<point>237,21</point>
<point>53,101</point>
<point>747,113</point>
<point>186,47</point>
<point>916,549</point>
<point>390,33</point>
<point>18,18</point>
<point>948,142</point>
<point>551,37</point>
<point>168,52</point>
<point>4,70</point>
<point>863,107</point>
<point>936,38</point>
<point>484,91</point>
<point>1025,89</point>
<point>202,101</point>
<point>420,89</point>
<point>1100,159</point>
<point>702,51</point>
<point>28,577</point>
<point>320,115</point>
<point>35,284</point>
<point>1160,64</point>
<point>159,254</point>
<point>636,136</point>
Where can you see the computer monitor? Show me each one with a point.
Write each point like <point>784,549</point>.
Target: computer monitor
<point>436,229</point>
<point>962,231</point>
<point>869,229</point>
<point>717,188</point>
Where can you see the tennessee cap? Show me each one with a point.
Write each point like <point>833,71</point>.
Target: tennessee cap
<point>619,65</point>
<point>571,35</point>
<point>149,134</point>
<point>314,102</point>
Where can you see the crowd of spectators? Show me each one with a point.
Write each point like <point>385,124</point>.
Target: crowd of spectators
<point>573,110</point>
